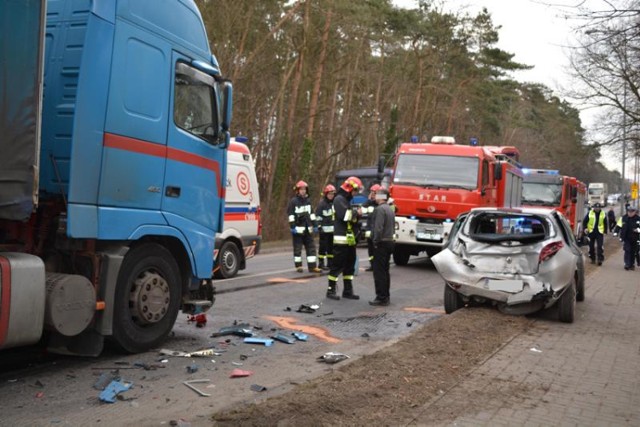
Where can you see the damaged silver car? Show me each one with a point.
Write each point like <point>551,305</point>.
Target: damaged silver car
<point>520,260</point>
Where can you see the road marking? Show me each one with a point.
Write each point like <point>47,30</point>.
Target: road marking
<point>291,323</point>
<point>286,280</point>
<point>424,310</point>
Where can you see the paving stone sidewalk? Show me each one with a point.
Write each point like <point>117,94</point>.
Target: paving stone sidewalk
<point>582,374</point>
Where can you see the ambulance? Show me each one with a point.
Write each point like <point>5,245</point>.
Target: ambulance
<point>242,231</point>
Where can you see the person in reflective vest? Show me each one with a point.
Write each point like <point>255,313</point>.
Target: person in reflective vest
<point>302,222</point>
<point>324,224</point>
<point>344,239</point>
<point>595,226</point>
<point>367,211</point>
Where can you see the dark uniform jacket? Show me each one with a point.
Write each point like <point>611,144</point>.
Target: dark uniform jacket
<point>301,217</point>
<point>630,228</point>
<point>324,215</point>
<point>345,219</point>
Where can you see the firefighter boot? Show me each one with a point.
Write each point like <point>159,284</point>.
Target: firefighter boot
<point>331,291</point>
<point>347,292</point>
<point>321,263</point>
<point>314,269</point>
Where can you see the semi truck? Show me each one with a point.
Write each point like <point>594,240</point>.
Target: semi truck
<point>548,188</point>
<point>598,193</point>
<point>434,182</point>
<point>114,130</point>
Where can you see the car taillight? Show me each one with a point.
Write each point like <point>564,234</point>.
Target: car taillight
<point>550,250</point>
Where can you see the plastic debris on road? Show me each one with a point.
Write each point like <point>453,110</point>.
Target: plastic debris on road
<point>265,341</point>
<point>193,368</point>
<point>239,373</point>
<point>308,308</point>
<point>258,387</point>
<point>535,350</point>
<point>114,389</point>
<point>200,319</point>
<point>300,336</point>
<point>332,357</point>
<point>241,330</point>
<point>103,381</point>
<point>283,338</point>
<point>192,387</point>
<point>198,353</point>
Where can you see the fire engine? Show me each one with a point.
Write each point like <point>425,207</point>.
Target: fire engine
<point>435,182</point>
<point>547,188</point>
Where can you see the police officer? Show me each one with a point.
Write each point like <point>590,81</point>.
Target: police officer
<point>595,226</point>
<point>344,239</point>
<point>302,222</point>
<point>324,223</point>
<point>382,231</point>
<point>629,235</point>
<point>367,211</point>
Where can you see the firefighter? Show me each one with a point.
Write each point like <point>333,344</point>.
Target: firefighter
<point>367,211</point>
<point>595,226</point>
<point>324,223</point>
<point>630,236</point>
<point>344,239</point>
<point>302,222</point>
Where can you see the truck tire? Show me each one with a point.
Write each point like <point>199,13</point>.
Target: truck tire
<point>401,256</point>
<point>228,261</point>
<point>147,299</point>
<point>567,304</point>
<point>452,300</point>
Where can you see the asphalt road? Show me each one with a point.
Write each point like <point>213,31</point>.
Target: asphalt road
<point>37,390</point>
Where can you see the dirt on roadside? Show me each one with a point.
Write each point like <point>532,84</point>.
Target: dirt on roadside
<point>392,386</point>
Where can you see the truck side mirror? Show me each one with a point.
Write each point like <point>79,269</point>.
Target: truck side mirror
<point>227,112</point>
<point>497,171</point>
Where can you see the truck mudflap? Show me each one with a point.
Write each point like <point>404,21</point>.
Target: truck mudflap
<point>22,299</point>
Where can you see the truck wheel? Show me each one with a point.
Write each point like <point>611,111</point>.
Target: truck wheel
<point>228,261</point>
<point>147,298</point>
<point>452,300</point>
<point>567,304</point>
<point>401,256</point>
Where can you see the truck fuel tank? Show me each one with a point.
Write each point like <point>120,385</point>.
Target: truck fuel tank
<point>71,303</point>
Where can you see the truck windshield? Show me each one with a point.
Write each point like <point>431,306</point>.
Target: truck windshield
<point>437,171</point>
<point>596,191</point>
<point>541,194</point>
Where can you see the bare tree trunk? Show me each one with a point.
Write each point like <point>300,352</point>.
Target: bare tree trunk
<point>313,107</point>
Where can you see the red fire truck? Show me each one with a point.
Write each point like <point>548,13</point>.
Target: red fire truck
<point>433,183</point>
<point>547,188</point>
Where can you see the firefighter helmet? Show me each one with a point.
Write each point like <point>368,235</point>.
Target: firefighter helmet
<point>352,183</point>
<point>375,187</point>
<point>300,184</point>
<point>328,189</point>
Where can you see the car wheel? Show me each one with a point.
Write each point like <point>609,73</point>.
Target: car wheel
<point>580,289</point>
<point>567,304</point>
<point>228,261</point>
<point>147,298</point>
<point>452,300</point>
<point>401,256</point>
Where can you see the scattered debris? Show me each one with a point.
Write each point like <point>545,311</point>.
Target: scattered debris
<point>267,342</point>
<point>199,353</point>
<point>193,368</point>
<point>332,357</point>
<point>200,319</point>
<point>103,381</point>
<point>243,357</point>
<point>239,373</point>
<point>236,363</point>
<point>287,309</point>
<point>38,384</point>
<point>328,313</point>
<point>241,330</point>
<point>300,336</point>
<point>283,338</point>
<point>258,387</point>
<point>535,350</point>
<point>201,393</point>
<point>113,389</point>
<point>308,308</point>
<point>409,324</point>
<point>365,335</point>
<point>39,395</point>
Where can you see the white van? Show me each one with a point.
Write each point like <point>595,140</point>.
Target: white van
<point>242,232</point>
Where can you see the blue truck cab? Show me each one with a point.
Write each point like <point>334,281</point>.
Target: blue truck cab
<point>117,144</point>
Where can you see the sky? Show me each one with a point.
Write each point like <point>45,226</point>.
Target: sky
<point>536,32</point>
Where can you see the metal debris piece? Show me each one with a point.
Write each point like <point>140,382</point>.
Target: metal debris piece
<point>203,353</point>
<point>332,357</point>
<point>283,338</point>
<point>267,342</point>
<point>236,363</point>
<point>198,353</point>
<point>300,336</point>
<point>241,330</point>
<point>193,368</point>
<point>308,308</point>
<point>258,387</point>
<point>167,352</point>
<point>201,393</point>
<point>113,389</point>
<point>239,373</point>
<point>365,335</point>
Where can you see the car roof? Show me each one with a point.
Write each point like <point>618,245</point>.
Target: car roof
<point>520,210</point>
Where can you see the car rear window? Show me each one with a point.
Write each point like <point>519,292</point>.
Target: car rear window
<point>499,227</point>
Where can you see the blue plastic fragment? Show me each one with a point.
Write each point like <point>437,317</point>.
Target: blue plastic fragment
<point>112,390</point>
<point>300,336</point>
<point>283,338</point>
<point>266,341</point>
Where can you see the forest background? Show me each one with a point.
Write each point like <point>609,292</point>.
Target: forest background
<point>326,85</point>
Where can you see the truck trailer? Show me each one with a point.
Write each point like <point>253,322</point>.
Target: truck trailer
<point>114,129</point>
